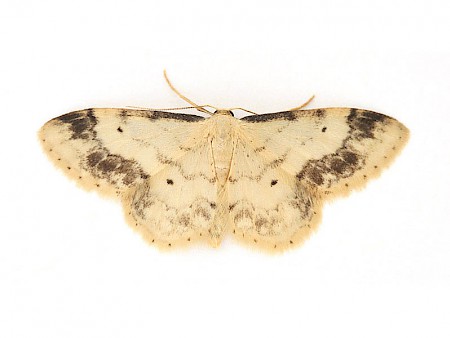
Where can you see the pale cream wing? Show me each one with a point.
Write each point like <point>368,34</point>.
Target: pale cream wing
<point>136,154</point>
<point>333,149</point>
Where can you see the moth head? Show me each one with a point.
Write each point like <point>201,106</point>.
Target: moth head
<point>223,112</point>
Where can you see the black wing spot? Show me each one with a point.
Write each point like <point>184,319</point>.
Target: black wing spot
<point>273,182</point>
<point>120,130</point>
<point>324,129</point>
<point>169,182</point>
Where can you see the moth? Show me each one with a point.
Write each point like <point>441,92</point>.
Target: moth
<point>185,179</point>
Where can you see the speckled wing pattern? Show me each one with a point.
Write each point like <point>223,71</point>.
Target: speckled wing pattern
<point>184,178</point>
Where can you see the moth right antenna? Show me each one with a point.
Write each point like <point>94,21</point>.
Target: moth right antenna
<point>304,104</point>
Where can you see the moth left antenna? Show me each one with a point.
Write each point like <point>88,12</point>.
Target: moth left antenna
<point>196,106</point>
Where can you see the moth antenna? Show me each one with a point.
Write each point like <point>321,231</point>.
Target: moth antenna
<point>304,104</point>
<point>196,106</point>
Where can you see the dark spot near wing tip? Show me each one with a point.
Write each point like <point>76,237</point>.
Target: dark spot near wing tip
<point>375,166</point>
<point>120,130</point>
<point>98,185</point>
<point>189,239</point>
<point>153,241</point>
<point>68,168</point>
<point>70,117</point>
<point>275,246</point>
<point>59,159</point>
<point>291,242</point>
<point>364,122</point>
<point>234,231</point>
<point>50,150</point>
<point>169,181</point>
<point>324,129</point>
<point>170,244</point>
<point>273,182</point>
<point>200,234</point>
<point>81,123</point>
<point>346,184</point>
<point>79,177</point>
<point>212,205</point>
<point>374,116</point>
<point>255,240</point>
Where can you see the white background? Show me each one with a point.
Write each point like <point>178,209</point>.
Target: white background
<point>379,266</point>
